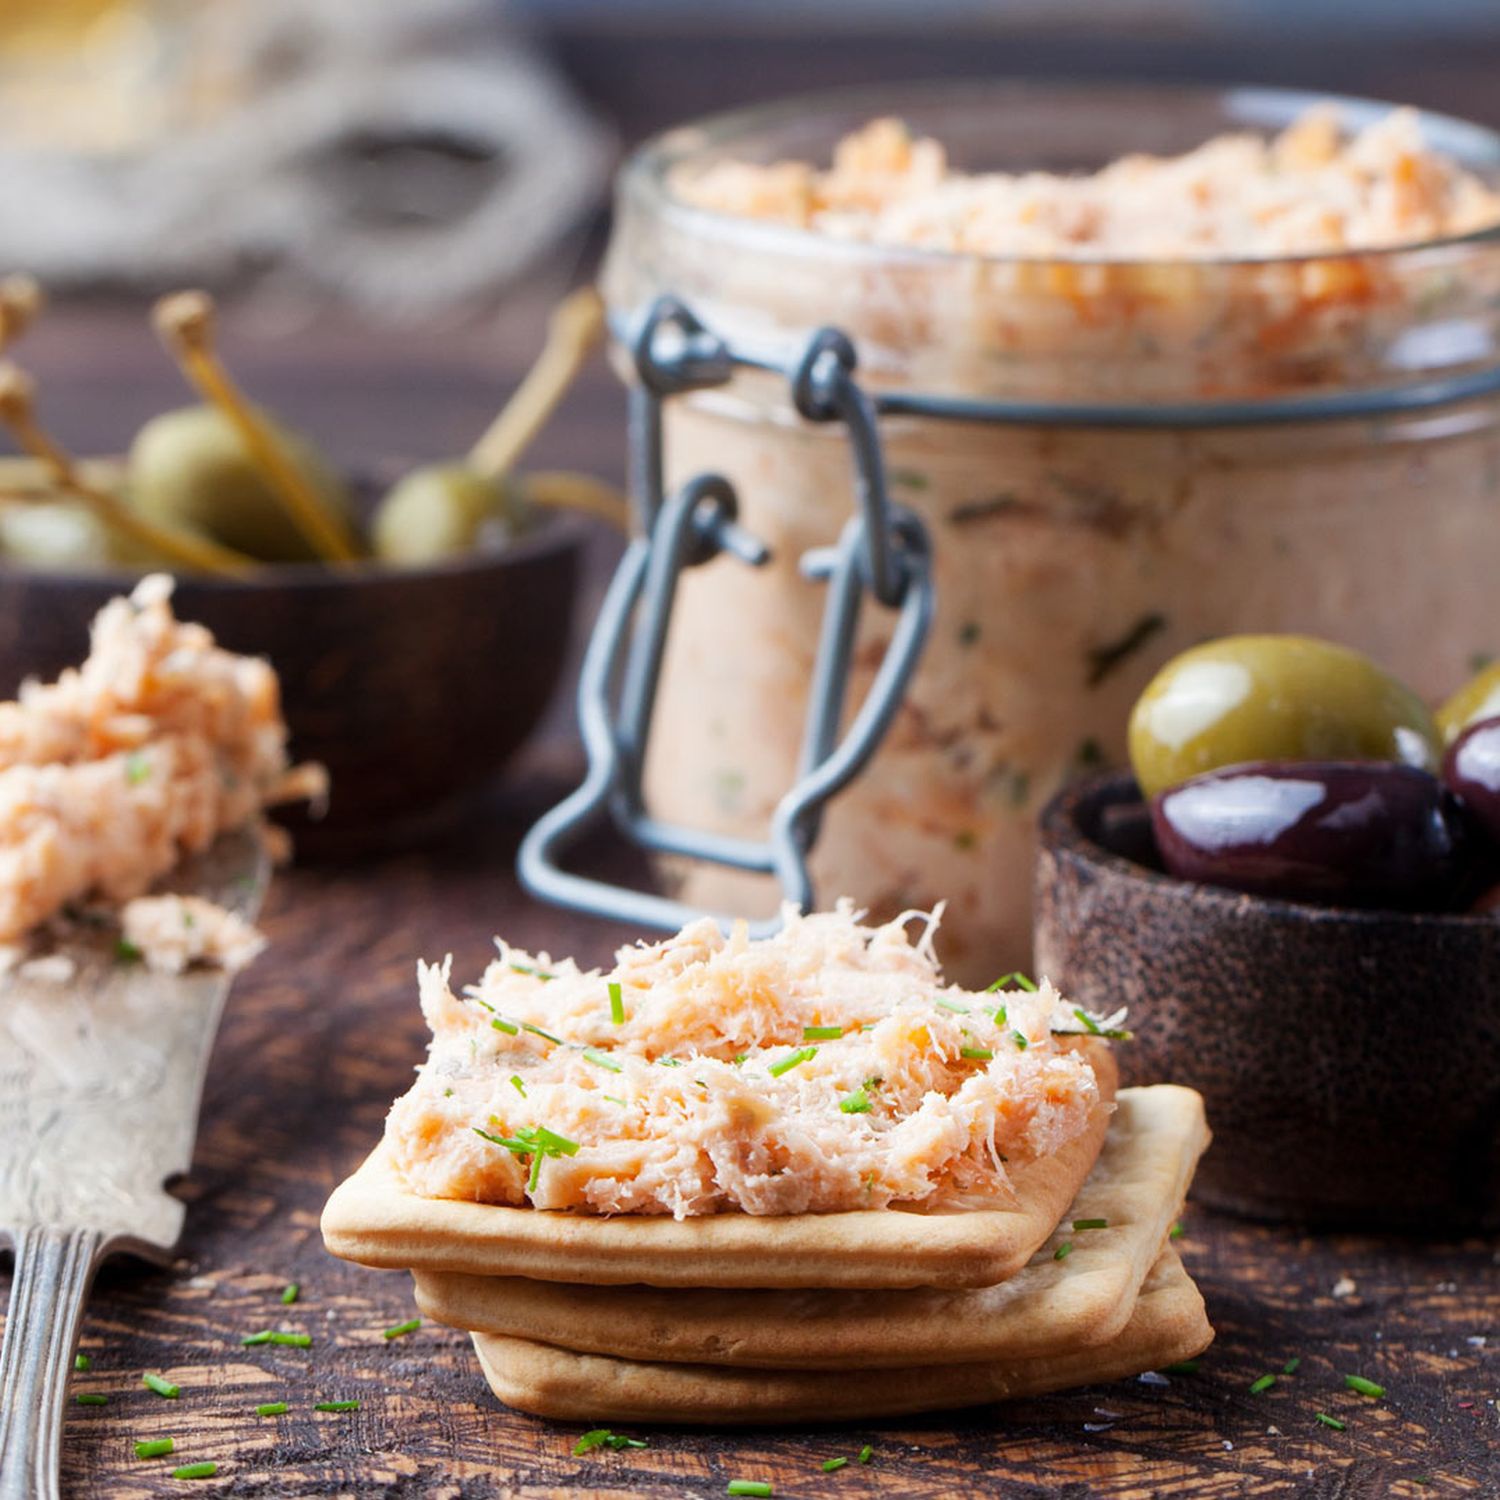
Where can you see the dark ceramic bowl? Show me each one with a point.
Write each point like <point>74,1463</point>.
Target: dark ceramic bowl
<point>413,686</point>
<point>1349,1060</point>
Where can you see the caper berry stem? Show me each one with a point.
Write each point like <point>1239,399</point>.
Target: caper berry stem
<point>185,322</point>
<point>561,489</point>
<point>18,413</point>
<point>574,331</point>
<point>21,299</point>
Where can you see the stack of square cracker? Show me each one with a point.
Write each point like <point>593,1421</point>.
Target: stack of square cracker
<point>732,1318</point>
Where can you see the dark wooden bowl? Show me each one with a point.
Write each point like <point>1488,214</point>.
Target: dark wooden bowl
<point>1350,1060</point>
<point>413,686</point>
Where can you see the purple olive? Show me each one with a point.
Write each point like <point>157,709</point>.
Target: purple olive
<point>1340,833</point>
<point>1471,769</point>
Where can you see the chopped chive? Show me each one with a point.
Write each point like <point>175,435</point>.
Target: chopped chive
<point>196,1471</point>
<point>1290,1367</point>
<point>1021,1040</point>
<point>792,1060</point>
<point>498,1140</point>
<point>602,1060</point>
<point>87,1398</point>
<point>127,952</point>
<point>507,1027</point>
<point>1181,1367</point>
<point>1177,1231</point>
<point>1017,978</point>
<point>759,1487</point>
<point>154,1448</point>
<point>335,1405</point>
<point>546,1036</point>
<point>832,1465</point>
<point>616,1003</point>
<point>400,1330</point>
<point>976,1054</point>
<point>137,768</point>
<point>535,973</point>
<point>272,1409</point>
<point>857,1103</point>
<point>615,1099</point>
<point>82,1362</point>
<point>289,1293</point>
<point>1333,1422</point>
<point>517,1085</point>
<point>263,1337</point>
<point>1090,1223</point>
<point>822,1033</point>
<point>866,1454</point>
<point>1063,1251</point>
<point>1263,1384</point>
<point>292,1340</point>
<point>958,1010</point>
<point>163,1388</point>
<point>738,1058</point>
<point>1090,1025</point>
<point>602,1437</point>
<point>1002,1016</point>
<point>1364,1387</point>
<point>669,1062</point>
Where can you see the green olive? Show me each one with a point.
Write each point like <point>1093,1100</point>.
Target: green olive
<point>189,468</point>
<point>1273,697</point>
<point>1478,698</point>
<point>441,511</point>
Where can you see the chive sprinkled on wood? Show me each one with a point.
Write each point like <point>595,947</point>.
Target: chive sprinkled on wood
<point>822,1033</point>
<point>1290,1367</point>
<point>1263,1384</point>
<point>757,1487</point>
<point>976,1054</point>
<point>196,1471</point>
<point>1090,1223</point>
<point>335,1405</point>
<point>271,1409</point>
<point>89,1398</point>
<point>616,1003</point>
<point>400,1330</point>
<point>289,1293</point>
<point>154,1448</point>
<point>82,1362</point>
<point>832,1465</point>
<point>1063,1251</point>
<point>866,1454</point>
<point>857,1103</point>
<point>163,1388</point>
<point>602,1060</point>
<point>291,1340</point>
<point>1363,1387</point>
<point>1333,1422</point>
<point>792,1060</point>
<point>250,1339</point>
<point>602,1437</point>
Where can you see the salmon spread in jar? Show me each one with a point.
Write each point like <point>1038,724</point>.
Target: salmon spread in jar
<point>1209,363</point>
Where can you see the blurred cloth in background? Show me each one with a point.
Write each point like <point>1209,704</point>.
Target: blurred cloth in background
<point>409,156</point>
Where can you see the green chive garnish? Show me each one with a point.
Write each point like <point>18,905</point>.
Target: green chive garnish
<point>517,1085</point>
<point>615,1099</point>
<point>1364,1387</point>
<point>84,1398</point>
<point>792,1060</point>
<point>546,1036</point>
<point>289,1293</point>
<point>335,1405</point>
<point>82,1362</point>
<point>127,952</point>
<point>602,1060</point>
<point>1017,978</point>
<point>958,1010</point>
<point>400,1330</point>
<point>195,1471</point>
<point>154,1448</point>
<point>1090,1025</point>
<point>976,1054</point>
<point>866,1454</point>
<point>505,1026</point>
<point>857,1103</point>
<point>669,1062</point>
<point>535,973</point>
<point>1090,1223</point>
<point>616,1003</point>
<point>1181,1367</point>
<point>292,1340</point>
<point>1290,1367</point>
<point>822,1033</point>
<point>1021,1041</point>
<point>137,768</point>
<point>272,1409</point>
<point>162,1387</point>
<point>1332,1422</point>
<point>832,1465</point>
<point>602,1437</point>
<point>1177,1231</point>
<point>263,1337</point>
<point>759,1487</point>
<point>1063,1251</point>
<point>1263,1384</point>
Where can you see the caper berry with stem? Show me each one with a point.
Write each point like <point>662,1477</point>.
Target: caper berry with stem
<point>441,511</point>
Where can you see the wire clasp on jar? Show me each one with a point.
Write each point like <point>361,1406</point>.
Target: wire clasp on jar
<point>883,551</point>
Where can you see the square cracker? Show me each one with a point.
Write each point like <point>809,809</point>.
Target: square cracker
<point>1167,1324</point>
<point>1137,1185</point>
<point>372,1218</point>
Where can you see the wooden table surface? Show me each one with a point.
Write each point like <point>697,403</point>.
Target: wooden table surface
<point>323,1032</point>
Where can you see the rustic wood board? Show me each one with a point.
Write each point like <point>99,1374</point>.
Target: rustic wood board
<point>323,1032</point>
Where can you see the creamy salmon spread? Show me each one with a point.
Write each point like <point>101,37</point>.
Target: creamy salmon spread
<point>826,1068</point>
<point>158,743</point>
<point>1309,190</point>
